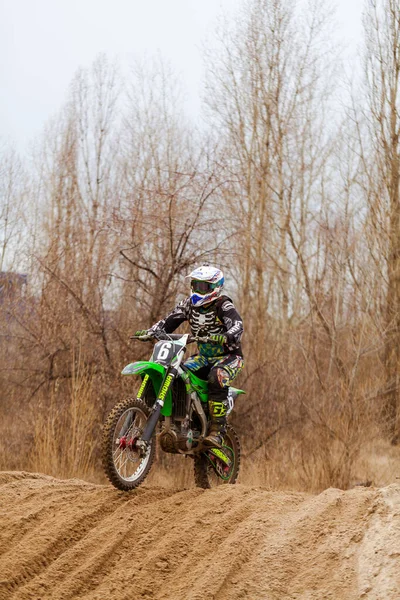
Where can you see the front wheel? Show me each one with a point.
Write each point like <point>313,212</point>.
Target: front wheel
<point>209,473</point>
<point>125,466</point>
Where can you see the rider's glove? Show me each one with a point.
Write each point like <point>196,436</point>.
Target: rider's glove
<point>141,332</point>
<point>218,339</point>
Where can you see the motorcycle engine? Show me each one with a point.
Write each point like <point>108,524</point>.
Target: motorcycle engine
<point>174,442</point>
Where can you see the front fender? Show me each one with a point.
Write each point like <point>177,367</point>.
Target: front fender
<point>156,372</point>
<point>143,366</point>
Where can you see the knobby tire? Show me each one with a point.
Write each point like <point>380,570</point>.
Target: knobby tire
<point>107,445</point>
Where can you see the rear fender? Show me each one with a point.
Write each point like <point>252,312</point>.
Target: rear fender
<point>233,393</point>
<point>236,392</point>
<point>156,373</point>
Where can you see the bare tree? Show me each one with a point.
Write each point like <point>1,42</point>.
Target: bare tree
<point>12,193</point>
<point>382,72</point>
<point>168,215</point>
<point>267,95</point>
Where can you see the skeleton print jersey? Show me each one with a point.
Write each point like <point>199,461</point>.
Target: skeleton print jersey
<point>220,317</point>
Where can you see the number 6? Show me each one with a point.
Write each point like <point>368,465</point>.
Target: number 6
<point>163,354</point>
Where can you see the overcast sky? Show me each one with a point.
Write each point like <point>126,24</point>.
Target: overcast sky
<point>43,42</point>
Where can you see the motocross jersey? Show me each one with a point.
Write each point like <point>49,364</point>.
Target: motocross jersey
<point>219,317</point>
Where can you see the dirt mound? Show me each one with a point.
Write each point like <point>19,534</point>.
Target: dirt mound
<point>71,539</point>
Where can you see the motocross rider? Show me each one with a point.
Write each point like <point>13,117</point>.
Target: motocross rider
<point>210,314</point>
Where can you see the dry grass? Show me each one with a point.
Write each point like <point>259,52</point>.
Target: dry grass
<point>64,434</point>
<point>59,435</point>
<point>65,445</point>
<point>316,463</point>
<point>321,440</point>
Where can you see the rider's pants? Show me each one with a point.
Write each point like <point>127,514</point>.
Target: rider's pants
<point>220,372</point>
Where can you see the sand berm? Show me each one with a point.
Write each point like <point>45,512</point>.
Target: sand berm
<point>67,539</point>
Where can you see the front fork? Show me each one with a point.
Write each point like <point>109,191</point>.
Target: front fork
<point>152,421</point>
<point>129,417</point>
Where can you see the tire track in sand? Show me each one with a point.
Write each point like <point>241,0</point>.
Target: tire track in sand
<point>70,539</point>
<point>29,547</point>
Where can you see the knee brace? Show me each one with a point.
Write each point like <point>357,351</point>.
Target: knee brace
<point>218,382</point>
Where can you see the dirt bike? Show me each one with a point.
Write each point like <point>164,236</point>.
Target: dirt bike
<point>171,404</point>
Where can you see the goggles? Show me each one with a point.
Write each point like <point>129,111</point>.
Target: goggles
<point>202,287</point>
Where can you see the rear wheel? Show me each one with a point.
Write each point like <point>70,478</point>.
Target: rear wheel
<point>210,471</point>
<point>124,465</point>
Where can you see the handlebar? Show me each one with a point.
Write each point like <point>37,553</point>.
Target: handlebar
<point>200,339</point>
<point>142,338</point>
<point>172,336</point>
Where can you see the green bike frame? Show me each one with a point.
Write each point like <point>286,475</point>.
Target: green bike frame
<point>157,374</point>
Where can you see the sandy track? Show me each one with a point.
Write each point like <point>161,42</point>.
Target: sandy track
<point>71,539</point>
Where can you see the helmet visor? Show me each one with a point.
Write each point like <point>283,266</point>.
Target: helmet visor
<point>202,287</point>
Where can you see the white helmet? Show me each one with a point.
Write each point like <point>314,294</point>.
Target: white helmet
<point>206,285</point>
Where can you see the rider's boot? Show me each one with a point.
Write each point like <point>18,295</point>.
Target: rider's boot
<point>218,405</point>
<point>218,410</point>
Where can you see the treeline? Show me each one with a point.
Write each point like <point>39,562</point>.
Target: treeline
<point>289,186</point>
